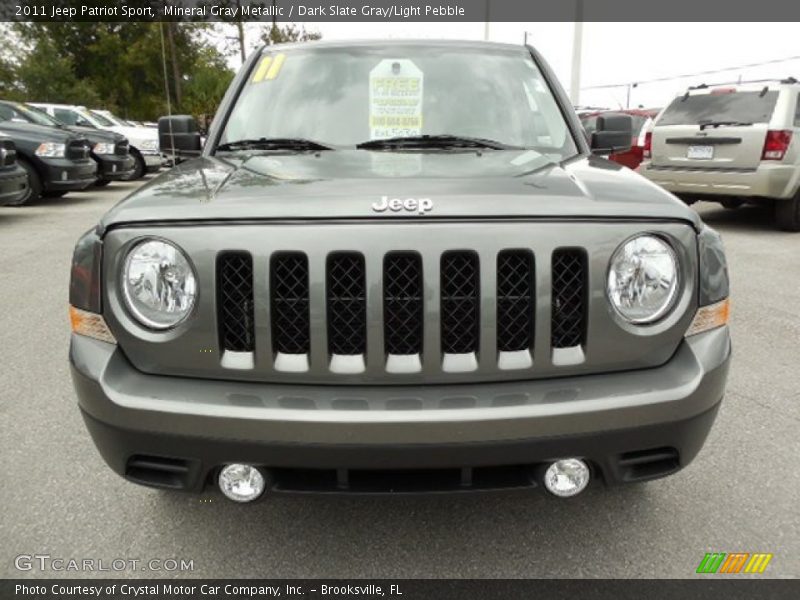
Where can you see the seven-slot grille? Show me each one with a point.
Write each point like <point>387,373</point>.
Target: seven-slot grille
<point>122,148</point>
<point>78,149</point>
<point>8,155</point>
<point>405,304</point>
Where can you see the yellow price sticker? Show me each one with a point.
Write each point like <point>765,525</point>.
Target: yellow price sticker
<point>269,68</point>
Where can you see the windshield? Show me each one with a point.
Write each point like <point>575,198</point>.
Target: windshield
<point>107,119</point>
<point>742,107</point>
<point>98,119</point>
<point>344,96</point>
<point>14,110</point>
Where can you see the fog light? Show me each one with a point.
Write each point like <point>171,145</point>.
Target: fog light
<point>241,483</point>
<point>566,477</point>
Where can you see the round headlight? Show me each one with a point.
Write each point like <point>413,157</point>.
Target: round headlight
<point>643,279</point>
<point>158,284</point>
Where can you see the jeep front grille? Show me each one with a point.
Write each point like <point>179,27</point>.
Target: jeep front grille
<point>404,313</point>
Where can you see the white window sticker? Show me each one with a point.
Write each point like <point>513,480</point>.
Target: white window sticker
<point>395,99</point>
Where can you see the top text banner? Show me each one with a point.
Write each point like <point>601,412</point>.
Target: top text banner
<point>400,10</point>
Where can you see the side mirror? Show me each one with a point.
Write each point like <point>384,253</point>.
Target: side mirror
<point>613,133</point>
<point>179,137</point>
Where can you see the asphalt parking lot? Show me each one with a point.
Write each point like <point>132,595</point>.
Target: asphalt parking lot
<point>59,498</point>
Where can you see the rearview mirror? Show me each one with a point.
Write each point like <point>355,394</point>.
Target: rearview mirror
<point>613,133</point>
<point>179,137</point>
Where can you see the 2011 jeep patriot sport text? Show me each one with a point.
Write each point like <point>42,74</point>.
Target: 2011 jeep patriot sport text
<point>398,267</point>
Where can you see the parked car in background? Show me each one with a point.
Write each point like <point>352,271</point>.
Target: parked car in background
<point>120,121</point>
<point>731,144</point>
<point>56,160</point>
<point>143,140</point>
<point>109,149</point>
<point>642,119</point>
<point>13,178</point>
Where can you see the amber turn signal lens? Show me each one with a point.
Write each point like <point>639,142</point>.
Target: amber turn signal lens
<point>710,317</point>
<point>90,325</point>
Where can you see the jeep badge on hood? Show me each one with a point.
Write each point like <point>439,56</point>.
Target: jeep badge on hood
<point>420,205</point>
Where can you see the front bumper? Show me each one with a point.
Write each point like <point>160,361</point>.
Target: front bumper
<point>13,183</point>
<point>614,421</point>
<point>114,167</point>
<point>152,162</point>
<point>64,175</point>
<point>768,180</point>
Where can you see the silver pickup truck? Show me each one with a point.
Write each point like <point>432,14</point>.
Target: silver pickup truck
<point>398,267</point>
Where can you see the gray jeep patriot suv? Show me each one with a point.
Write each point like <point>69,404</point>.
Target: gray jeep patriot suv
<point>398,267</point>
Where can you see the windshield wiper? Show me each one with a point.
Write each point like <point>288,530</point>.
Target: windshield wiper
<point>434,141</point>
<point>274,144</point>
<point>712,123</point>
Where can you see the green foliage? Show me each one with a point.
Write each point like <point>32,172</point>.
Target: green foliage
<point>116,66</point>
<point>281,34</point>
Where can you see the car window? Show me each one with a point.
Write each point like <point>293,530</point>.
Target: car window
<point>348,95</point>
<point>66,116</point>
<point>102,120</point>
<point>747,107</point>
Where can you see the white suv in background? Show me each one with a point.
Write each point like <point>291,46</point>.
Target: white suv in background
<point>143,140</point>
<point>731,144</point>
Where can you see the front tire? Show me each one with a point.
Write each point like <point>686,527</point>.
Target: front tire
<point>787,213</point>
<point>102,182</point>
<point>139,167</point>
<point>53,194</point>
<point>34,185</point>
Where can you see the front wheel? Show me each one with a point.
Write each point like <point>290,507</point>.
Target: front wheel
<point>102,182</point>
<point>787,213</point>
<point>53,194</point>
<point>139,166</point>
<point>34,185</point>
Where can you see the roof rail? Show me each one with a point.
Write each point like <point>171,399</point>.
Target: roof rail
<point>785,80</point>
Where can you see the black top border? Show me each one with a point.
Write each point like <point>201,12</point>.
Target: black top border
<point>399,11</point>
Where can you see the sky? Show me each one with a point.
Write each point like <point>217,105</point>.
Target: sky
<point>617,53</point>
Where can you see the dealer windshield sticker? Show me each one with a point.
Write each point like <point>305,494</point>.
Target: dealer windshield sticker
<point>395,99</point>
<point>269,68</point>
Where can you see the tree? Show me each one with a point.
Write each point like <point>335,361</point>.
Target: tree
<point>279,34</point>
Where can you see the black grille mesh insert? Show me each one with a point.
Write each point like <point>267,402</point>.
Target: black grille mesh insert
<point>235,301</point>
<point>515,307</point>
<point>460,298</point>
<point>289,299</point>
<point>347,304</point>
<point>568,326</point>
<point>402,303</point>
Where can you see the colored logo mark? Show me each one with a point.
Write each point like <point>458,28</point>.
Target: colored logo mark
<point>734,562</point>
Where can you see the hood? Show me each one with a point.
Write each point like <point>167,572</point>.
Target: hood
<point>344,185</point>
<point>97,135</point>
<point>33,132</point>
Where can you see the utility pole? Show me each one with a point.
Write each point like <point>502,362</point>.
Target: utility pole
<point>577,49</point>
<point>486,23</point>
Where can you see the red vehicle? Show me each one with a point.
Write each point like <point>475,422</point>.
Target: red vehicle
<point>642,120</point>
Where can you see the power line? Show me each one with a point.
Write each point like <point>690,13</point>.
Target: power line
<point>696,74</point>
